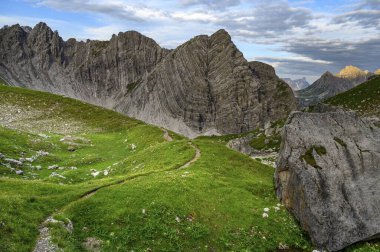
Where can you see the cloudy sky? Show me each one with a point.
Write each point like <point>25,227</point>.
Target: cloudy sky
<point>298,37</point>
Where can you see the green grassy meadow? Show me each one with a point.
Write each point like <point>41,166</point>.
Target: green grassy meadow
<point>122,184</point>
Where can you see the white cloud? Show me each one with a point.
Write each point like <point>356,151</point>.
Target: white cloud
<point>315,40</point>
<point>101,33</point>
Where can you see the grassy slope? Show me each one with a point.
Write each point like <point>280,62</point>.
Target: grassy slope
<point>217,202</point>
<point>364,98</point>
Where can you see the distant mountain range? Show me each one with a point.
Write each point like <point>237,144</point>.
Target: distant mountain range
<point>297,84</point>
<point>329,85</point>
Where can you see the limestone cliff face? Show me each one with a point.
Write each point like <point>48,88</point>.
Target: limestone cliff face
<point>93,71</point>
<point>204,86</point>
<point>207,87</point>
<point>328,176</point>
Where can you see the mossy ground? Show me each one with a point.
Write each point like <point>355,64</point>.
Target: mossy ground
<point>146,202</point>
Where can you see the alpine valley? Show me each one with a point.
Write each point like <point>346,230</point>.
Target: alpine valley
<point>123,145</point>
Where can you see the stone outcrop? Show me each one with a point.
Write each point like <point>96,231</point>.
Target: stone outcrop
<point>204,86</point>
<point>328,175</point>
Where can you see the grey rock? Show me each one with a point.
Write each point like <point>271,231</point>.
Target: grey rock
<point>53,167</point>
<point>19,172</point>
<point>242,144</point>
<point>57,175</point>
<point>328,176</point>
<point>13,161</point>
<point>203,87</point>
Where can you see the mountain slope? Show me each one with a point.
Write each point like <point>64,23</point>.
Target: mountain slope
<point>204,86</point>
<point>130,188</point>
<point>329,85</point>
<point>365,98</point>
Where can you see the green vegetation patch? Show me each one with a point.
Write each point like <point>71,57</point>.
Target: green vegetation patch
<point>340,141</point>
<point>262,142</point>
<point>2,82</point>
<point>132,86</point>
<point>309,157</point>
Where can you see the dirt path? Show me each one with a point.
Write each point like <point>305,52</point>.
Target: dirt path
<point>194,159</point>
<point>44,243</point>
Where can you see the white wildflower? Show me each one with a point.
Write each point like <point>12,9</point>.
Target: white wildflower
<point>266,209</point>
<point>177,219</point>
<point>276,209</point>
<point>95,173</point>
<point>265,215</point>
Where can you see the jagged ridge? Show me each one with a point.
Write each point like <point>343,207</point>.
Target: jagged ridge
<point>205,86</point>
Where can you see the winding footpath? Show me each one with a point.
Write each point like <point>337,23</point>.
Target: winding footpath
<point>44,242</point>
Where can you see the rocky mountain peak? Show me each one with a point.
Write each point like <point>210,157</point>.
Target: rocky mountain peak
<point>42,27</point>
<point>327,74</point>
<point>221,35</point>
<point>351,72</point>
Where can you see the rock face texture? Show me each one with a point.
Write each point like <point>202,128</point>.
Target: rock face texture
<point>330,85</point>
<point>204,86</point>
<point>93,71</point>
<point>328,175</point>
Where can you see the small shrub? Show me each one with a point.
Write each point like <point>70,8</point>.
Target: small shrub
<point>309,157</point>
<point>340,141</point>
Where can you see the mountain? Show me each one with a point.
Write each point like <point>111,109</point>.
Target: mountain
<point>364,98</point>
<point>352,72</point>
<point>329,85</point>
<point>377,72</point>
<point>204,86</point>
<point>297,84</point>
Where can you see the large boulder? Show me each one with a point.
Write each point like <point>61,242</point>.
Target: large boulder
<point>328,176</point>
